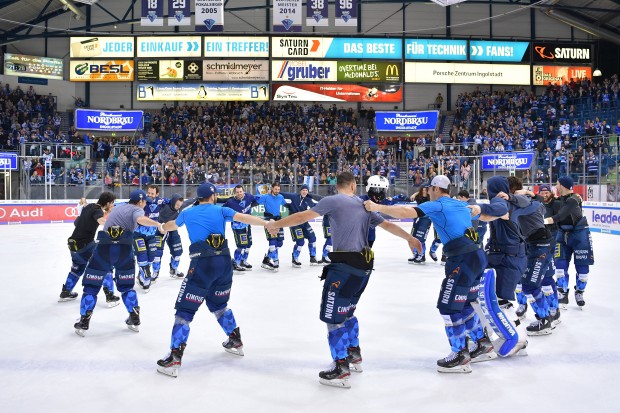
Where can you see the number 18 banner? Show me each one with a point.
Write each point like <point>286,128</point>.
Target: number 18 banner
<point>346,13</point>
<point>152,13</point>
<point>209,15</point>
<point>316,13</point>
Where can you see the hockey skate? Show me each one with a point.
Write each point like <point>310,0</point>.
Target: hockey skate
<point>176,274</point>
<point>579,299</point>
<point>563,298</point>
<point>481,350</point>
<point>296,264</point>
<point>325,260</point>
<point>420,259</point>
<point>171,365</point>
<point>355,359</point>
<point>540,327</point>
<point>455,362</point>
<point>111,299</point>
<point>237,268</point>
<point>82,325</point>
<point>154,277</point>
<point>245,265</point>
<point>313,261</point>
<point>443,259</point>
<point>133,321</point>
<point>433,255</point>
<point>521,310</point>
<point>66,295</point>
<point>555,319</point>
<point>234,345</point>
<point>268,264</point>
<point>144,278</point>
<point>337,375</point>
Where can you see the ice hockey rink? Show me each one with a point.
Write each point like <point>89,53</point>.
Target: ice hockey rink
<point>46,367</point>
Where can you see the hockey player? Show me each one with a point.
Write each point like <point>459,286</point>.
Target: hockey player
<point>464,267</point>
<point>169,212</point>
<point>82,244</point>
<point>421,226</point>
<point>114,251</point>
<point>148,243</point>
<point>574,239</point>
<point>209,278</point>
<point>243,203</point>
<point>348,274</point>
<point>538,241</point>
<point>376,191</point>
<point>298,203</point>
<point>328,246</point>
<point>272,202</point>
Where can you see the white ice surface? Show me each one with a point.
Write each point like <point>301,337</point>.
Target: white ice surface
<point>46,367</point>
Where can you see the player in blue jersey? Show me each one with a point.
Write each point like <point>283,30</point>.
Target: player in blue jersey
<point>114,251</point>
<point>464,266</point>
<point>574,240</point>
<point>243,203</point>
<point>82,244</point>
<point>296,203</point>
<point>272,202</point>
<point>169,212</point>
<point>148,243</point>
<point>421,226</point>
<point>348,274</point>
<point>209,278</point>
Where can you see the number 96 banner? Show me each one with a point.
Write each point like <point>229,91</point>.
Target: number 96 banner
<point>346,13</point>
<point>209,15</point>
<point>208,92</point>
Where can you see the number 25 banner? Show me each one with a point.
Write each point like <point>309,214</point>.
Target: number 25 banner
<point>209,15</point>
<point>346,13</point>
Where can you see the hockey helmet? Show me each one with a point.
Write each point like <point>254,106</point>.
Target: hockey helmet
<point>377,187</point>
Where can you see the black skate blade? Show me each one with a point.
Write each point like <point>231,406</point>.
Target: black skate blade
<point>544,332</point>
<point>235,351</point>
<point>80,332</point>
<point>135,329</point>
<point>491,355</point>
<point>168,371</point>
<point>62,300</point>
<point>356,367</point>
<point>465,368</point>
<point>112,304</point>
<point>340,383</point>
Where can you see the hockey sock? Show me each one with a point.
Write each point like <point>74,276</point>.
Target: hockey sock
<point>180,332</point>
<point>473,326</point>
<point>108,282</point>
<point>297,250</point>
<point>353,329</point>
<point>273,252</point>
<point>130,299</point>
<point>312,248</point>
<point>88,302</point>
<point>551,295</point>
<point>455,330</point>
<point>582,281</point>
<point>238,256</point>
<point>539,303</point>
<point>226,319</point>
<point>174,262</point>
<point>435,245</point>
<point>72,279</point>
<point>156,264</point>
<point>338,339</point>
<point>521,299</point>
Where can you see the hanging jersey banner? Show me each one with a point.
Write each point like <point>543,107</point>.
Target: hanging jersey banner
<point>209,15</point>
<point>317,13</point>
<point>287,16</point>
<point>152,13</point>
<point>179,13</point>
<point>346,13</point>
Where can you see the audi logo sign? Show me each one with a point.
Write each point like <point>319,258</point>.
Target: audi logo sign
<point>37,213</point>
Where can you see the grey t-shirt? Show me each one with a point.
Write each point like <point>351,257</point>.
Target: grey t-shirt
<point>349,221</point>
<point>125,216</point>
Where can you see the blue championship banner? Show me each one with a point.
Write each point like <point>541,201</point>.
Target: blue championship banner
<point>179,13</point>
<point>406,121</point>
<point>346,13</point>
<point>507,161</point>
<point>209,15</point>
<point>152,13</point>
<point>287,16</point>
<point>108,120</point>
<point>317,13</point>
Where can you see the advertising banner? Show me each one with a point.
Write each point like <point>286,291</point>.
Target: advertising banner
<point>338,93</point>
<point>215,92</point>
<point>37,213</point>
<point>101,71</point>
<point>32,66</point>
<point>317,13</point>
<point>170,46</point>
<point>304,70</point>
<point>346,13</point>
<point>223,70</point>
<point>431,49</point>
<point>507,161</point>
<point>179,13</point>
<point>406,121</point>
<point>287,15</point>
<point>562,53</point>
<point>209,15</point>
<point>108,120</point>
<point>349,71</point>
<point>467,73</point>
<point>152,13</point>
<point>336,48</point>
<point>494,51</point>
<point>543,75</point>
<point>87,47</point>
<point>603,217</point>
<point>236,47</point>
<point>180,70</point>
<point>147,70</point>
<point>8,161</point>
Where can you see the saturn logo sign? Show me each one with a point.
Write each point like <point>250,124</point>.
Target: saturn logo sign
<point>543,53</point>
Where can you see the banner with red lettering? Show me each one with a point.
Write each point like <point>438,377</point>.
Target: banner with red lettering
<point>543,75</point>
<point>37,213</point>
<point>338,92</point>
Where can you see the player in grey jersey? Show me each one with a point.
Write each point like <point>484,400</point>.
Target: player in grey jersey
<point>348,274</point>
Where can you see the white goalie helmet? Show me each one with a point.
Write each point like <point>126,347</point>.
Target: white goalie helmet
<point>377,187</point>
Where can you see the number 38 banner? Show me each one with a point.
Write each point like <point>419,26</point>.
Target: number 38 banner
<point>346,13</point>
<point>316,13</point>
<point>209,15</point>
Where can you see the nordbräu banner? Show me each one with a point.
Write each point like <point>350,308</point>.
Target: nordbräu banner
<point>507,161</point>
<point>108,120</point>
<point>406,121</point>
